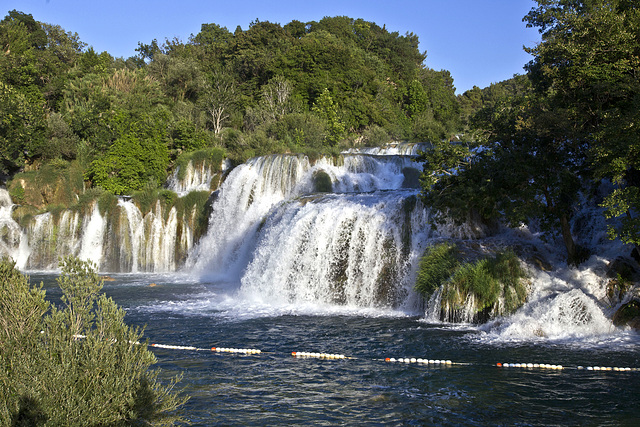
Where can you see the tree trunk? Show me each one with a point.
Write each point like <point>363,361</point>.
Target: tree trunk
<point>575,254</point>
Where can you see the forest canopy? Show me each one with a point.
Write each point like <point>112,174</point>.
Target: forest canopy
<point>300,87</point>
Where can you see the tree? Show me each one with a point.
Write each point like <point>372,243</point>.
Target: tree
<point>325,108</point>
<point>220,98</point>
<point>524,168</point>
<point>137,156</point>
<point>77,363</point>
<point>589,65</point>
<point>22,128</point>
<point>275,95</point>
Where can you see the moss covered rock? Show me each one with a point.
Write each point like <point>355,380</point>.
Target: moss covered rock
<point>628,315</point>
<point>322,182</point>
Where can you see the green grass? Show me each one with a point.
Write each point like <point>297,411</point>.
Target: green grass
<point>487,279</point>
<point>436,267</point>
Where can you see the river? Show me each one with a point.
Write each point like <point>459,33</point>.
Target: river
<point>276,388</point>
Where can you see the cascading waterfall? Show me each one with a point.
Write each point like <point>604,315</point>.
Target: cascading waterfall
<point>347,249</point>
<point>358,246</point>
<point>247,195</point>
<point>252,190</point>
<point>394,149</point>
<point>567,305</point>
<point>145,243</point>
<point>93,237</point>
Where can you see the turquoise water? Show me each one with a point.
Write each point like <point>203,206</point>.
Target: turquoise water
<point>275,388</point>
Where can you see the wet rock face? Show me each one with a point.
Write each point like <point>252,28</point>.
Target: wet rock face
<point>628,315</point>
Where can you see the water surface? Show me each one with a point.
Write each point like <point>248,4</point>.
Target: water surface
<point>274,388</point>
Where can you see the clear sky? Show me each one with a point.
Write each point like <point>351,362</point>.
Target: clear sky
<point>479,41</point>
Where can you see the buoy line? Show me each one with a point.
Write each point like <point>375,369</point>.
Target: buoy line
<point>236,350</point>
<point>560,367</point>
<point>421,360</point>
<point>407,360</point>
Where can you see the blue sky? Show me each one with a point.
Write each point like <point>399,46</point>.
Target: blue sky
<point>479,41</point>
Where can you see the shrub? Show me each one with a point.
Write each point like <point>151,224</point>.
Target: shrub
<point>477,278</point>
<point>100,379</point>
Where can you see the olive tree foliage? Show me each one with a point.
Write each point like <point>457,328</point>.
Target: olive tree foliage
<point>78,363</point>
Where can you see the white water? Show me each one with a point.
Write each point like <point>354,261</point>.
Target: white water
<point>10,232</point>
<point>394,149</point>
<point>567,305</point>
<point>196,178</point>
<point>93,237</point>
<point>253,189</point>
<point>339,249</point>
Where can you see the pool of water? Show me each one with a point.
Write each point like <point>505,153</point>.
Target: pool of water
<point>275,388</point>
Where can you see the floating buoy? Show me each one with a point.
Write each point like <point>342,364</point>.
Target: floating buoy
<point>236,350</point>
<point>318,355</point>
<point>174,347</point>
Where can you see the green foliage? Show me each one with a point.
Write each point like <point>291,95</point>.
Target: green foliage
<point>587,67</point>
<point>327,110</point>
<point>140,155</point>
<point>473,279</point>
<point>17,194</point>
<point>487,279</point>
<point>525,167</point>
<point>305,87</point>
<point>436,267</point>
<point>91,368</point>
<point>22,127</point>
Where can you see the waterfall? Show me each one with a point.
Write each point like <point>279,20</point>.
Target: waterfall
<point>565,305</point>
<point>197,177</point>
<point>10,232</point>
<point>394,149</point>
<point>357,250</point>
<point>93,237</point>
<point>145,243</point>
<point>356,246</point>
<point>247,195</point>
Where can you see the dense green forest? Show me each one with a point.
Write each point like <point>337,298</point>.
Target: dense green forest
<point>302,87</point>
<point>532,147</point>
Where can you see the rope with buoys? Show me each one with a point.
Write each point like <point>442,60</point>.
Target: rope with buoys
<point>236,350</point>
<point>319,355</point>
<point>407,360</point>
